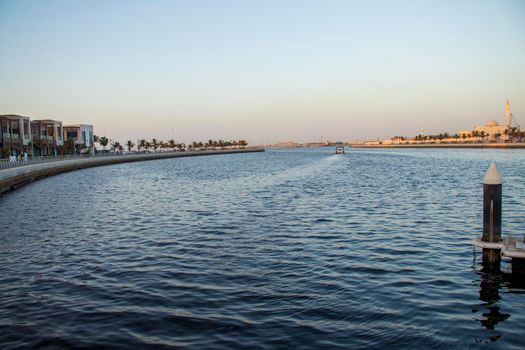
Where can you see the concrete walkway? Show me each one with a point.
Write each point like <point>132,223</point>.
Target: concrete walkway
<point>15,177</point>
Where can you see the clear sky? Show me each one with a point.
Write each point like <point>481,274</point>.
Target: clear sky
<point>264,70</point>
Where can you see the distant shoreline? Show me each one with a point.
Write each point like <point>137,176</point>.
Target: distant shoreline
<point>520,145</point>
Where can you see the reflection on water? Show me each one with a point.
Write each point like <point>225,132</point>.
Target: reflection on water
<point>287,249</point>
<point>489,294</point>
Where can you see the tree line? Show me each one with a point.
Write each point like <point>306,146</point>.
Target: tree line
<point>170,145</point>
<point>512,133</point>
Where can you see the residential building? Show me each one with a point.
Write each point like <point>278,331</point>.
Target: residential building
<point>80,137</point>
<point>15,134</point>
<point>47,137</point>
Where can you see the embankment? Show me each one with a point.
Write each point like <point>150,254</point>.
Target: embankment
<point>13,178</point>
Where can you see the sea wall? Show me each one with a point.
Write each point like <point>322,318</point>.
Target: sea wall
<point>15,177</point>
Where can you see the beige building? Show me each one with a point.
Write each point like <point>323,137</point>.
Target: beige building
<point>80,135</point>
<point>15,134</point>
<point>47,137</point>
<point>492,129</point>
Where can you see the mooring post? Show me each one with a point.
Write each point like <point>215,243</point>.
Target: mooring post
<point>492,184</point>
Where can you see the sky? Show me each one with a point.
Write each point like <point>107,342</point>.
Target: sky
<point>264,71</point>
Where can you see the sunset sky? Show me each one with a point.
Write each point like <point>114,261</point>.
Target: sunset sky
<point>264,71</point>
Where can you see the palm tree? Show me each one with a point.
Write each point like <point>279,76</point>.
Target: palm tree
<point>103,142</point>
<point>115,146</point>
<point>155,143</point>
<point>129,145</point>
<point>482,134</point>
<point>172,144</point>
<point>141,145</point>
<point>96,139</point>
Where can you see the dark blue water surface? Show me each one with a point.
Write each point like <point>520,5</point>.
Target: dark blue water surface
<point>296,248</point>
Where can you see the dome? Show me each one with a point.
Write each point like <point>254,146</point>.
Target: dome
<point>492,122</point>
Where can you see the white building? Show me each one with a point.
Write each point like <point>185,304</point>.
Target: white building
<point>492,129</point>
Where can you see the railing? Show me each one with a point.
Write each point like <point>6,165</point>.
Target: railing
<point>14,163</point>
<point>8,136</point>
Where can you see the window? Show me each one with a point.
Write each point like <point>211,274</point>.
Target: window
<point>72,135</point>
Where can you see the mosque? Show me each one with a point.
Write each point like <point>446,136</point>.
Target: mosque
<point>492,129</point>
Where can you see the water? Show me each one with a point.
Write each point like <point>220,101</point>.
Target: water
<point>286,249</point>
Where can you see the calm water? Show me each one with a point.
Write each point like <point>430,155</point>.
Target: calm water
<point>287,249</point>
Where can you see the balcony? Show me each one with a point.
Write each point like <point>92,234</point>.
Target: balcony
<point>46,138</point>
<point>11,137</point>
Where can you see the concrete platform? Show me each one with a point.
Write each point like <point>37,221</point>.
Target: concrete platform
<point>513,248</point>
<point>487,245</point>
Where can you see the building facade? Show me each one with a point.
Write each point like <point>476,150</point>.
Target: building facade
<point>80,138</point>
<point>40,138</point>
<point>15,134</point>
<point>492,130</point>
<point>47,137</point>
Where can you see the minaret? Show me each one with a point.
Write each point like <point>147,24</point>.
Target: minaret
<point>507,114</point>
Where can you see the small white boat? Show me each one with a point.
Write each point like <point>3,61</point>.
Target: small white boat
<point>339,148</point>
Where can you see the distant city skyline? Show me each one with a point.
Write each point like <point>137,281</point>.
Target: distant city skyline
<point>264,71</point>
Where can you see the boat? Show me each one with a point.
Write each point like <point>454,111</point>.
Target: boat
<point>339,148</point>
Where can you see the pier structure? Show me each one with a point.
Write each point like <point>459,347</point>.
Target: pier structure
<point>491,242</point>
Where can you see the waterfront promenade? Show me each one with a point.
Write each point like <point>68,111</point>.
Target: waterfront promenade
<point>23,173</point>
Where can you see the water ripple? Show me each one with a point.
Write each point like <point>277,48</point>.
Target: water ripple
<point>288,249</point>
